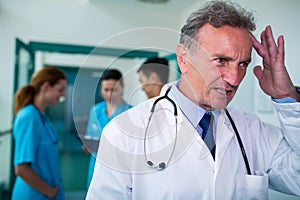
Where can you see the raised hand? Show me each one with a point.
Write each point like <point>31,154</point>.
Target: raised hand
<point>273,77</point>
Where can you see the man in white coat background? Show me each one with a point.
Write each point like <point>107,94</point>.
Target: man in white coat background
<point>162,149</point>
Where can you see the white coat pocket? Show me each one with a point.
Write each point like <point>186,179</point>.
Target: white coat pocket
<point>254,187</point>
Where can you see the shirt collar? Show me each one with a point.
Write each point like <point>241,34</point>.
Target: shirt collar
<point>192,111</point>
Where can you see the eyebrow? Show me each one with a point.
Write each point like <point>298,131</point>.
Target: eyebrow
<point>248,60</point>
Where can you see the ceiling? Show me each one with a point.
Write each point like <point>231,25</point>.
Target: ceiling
<point>172,5</point>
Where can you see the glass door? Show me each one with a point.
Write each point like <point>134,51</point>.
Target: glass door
<point>24,64</point>
<point>24,67</point>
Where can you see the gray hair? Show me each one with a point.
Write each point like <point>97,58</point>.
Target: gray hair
<point>217,14</point>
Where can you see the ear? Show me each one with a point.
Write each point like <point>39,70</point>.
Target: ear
<point>181,53</point>
<point>154,78</point>
<point>45,86</point>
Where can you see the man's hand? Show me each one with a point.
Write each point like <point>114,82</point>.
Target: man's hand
<point>273,77</point>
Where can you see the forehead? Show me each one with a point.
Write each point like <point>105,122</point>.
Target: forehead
<point>224,38</point>
<point>110,83</point>
<point>61,83</point>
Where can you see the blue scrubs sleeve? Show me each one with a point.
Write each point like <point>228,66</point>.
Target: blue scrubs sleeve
<point>26,139</point>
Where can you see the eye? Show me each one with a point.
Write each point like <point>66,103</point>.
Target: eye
<point>244,64</point>
<point>221,61</point>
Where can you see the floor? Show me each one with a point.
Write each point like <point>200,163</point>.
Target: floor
<point>74,166</point>
<point>75,195</point>
<point>69,195</point>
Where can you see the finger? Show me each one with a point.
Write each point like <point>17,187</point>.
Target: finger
<point>257,70</point>
<point>271,44</point>
<point>280,52</point>
<point>261,48</point>
<point>258,47</point>
<point>263,40</point>
<point>265,44</point>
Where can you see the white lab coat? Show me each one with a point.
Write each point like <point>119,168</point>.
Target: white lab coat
<point>121,171</point>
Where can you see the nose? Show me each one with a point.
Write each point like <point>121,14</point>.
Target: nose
<point>110,93</point>
<point>231,74</point>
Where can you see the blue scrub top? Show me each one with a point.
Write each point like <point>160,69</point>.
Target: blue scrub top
<point>98,119</point>
<point>36,142</point>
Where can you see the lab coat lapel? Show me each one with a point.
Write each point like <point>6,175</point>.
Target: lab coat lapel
<point>223,137</point>
<point>188,138</point>
<point>185,136</point>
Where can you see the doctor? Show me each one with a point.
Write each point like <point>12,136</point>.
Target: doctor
<point>153,74</point>
<point>157,152</point>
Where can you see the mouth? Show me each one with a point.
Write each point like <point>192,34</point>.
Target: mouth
<point>224,92</point>
<point>221,91</point>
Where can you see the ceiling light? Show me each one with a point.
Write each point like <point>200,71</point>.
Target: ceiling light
<point>155,1</point>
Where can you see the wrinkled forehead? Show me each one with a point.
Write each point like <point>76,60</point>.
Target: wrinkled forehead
<point>225,37</point>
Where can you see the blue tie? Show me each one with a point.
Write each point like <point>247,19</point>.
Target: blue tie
<point>204,124</point>
<point>208,138</point>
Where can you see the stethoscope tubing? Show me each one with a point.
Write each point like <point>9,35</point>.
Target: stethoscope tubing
<point>162,165</point>
<point>239,141</point>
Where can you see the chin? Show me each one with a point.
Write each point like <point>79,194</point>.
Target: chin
<point>55,102</point>
<point>150,96</point>
<point>219,105</point>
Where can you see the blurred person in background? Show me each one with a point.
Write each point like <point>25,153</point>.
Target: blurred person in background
<point>36,158</point>
<point>153,74</point>
<point>112,88</point>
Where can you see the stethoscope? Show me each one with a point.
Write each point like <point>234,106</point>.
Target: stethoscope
<point>163,165</point>
<point>48,127</point>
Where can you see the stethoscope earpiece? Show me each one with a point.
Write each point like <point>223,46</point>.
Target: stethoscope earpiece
<point>161,165</point>
<point>150,163</point>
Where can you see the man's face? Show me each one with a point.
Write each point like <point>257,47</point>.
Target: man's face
<point>215,68</point>
<point>149,85</point>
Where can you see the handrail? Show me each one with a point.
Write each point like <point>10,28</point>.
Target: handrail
<point>2,133</point>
